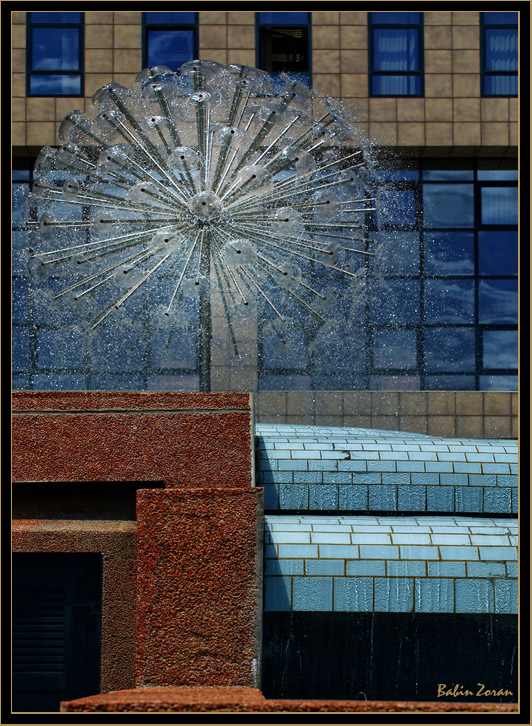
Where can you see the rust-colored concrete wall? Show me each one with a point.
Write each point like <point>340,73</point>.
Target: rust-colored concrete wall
<point>117,543</point>
<point>181,439</point>
<point>199,587</point>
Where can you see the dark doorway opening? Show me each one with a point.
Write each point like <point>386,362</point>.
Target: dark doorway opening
<point>57,609</point>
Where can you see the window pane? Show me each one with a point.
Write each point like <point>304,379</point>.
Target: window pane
<point>396,85</point>
<point>333,354</point>
<point>449,253</point>
<point>285,49</point>
<point>449,301</point>
<point>447,175</point>
<point>450,349</point>
<point>449,383</point>
<point>170,18</point>
<point>395,349</point>
<point>170,47</point>
<point>55,18</point>
<point>283,18</point>
<point>500,18</point>
<point>500,85</point>
<point>55,49</point>
<point>395,207</point>
<point>498,383</point>
<point>395,50</point>
<point>395,18</point>
<point>497,253</point>
<point>395,302</point>
<point>448,205</point>
<point>498,301</point>
<point>499,349</point>
<point>55,85</point>
<point>499,205</point>
<point>501,50</point>
<point>497,175</point>
<point>397,253</point>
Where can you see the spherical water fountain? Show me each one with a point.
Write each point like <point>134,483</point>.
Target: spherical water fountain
<point>208,180</point>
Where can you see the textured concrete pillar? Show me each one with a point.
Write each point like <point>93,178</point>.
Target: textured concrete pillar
<point>199,598</point>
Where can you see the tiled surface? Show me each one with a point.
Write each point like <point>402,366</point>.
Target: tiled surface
<point>472,414</point>
<point>451,114</point>
<point>332,468</point>
<point>390,564</point>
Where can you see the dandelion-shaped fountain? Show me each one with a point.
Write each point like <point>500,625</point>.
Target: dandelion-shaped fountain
<point>206,180</point>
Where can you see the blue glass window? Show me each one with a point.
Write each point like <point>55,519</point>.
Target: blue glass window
<point>499,205</point>
<point>497,252</point>
<point>499,54</point>
<point>395,349</point>
<point>449,253</point>
<point>449,301</point>
<point>448,205</point>
<point>284,44</point>
<point>498,301</point>
<point>169,18</point>
<point>450,349</point>
<point>499,349</point>
<point>170,39</point>
<point>396,54</point>
<point>55,48</point>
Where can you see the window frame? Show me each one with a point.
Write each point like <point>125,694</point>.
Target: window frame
<point>147,26</point>
<point>484,74</point>
<point>30,25</point>
<point>419,26</point>
<point>259,50</point>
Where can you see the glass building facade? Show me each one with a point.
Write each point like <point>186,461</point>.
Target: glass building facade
<point>438,304</point>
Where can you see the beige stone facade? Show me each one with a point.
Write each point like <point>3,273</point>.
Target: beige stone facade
<point>470,414</point>
<point>451,116</point>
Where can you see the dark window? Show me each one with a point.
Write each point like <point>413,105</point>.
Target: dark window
<point>57,605</point>
<point>55,54</point>
<point>499,53</point>
<point>283,44</point>
<point>396,54</point>
<point>170,39</point>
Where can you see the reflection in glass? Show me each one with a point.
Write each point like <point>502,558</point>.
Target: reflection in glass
<point>449,253</point>
<point>449,383</point>
<point>283,18</point>
<point>397,253</point>
<point>449,301</point>
<point>396,207</point>
<point>448,205</point>
<point>55,49</point>
<point>396,85</point>
<point>55,18</point>
<point>501,49</point>
<point>395,49</point>
<point>395,18</point>
<point>56,85</point>
<point>395,302</point>
<point>171,48</point>
<point>498,301</point>
<point>498,383</point>
<point>497,253</point>
<point>170,18</point>
<point>499,349</point>
<point>395,349</point>
<point>450,349</point>
<point>499,205</point>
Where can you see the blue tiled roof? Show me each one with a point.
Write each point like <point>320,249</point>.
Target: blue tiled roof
<point>316,468</point>
<point>423,564</point>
